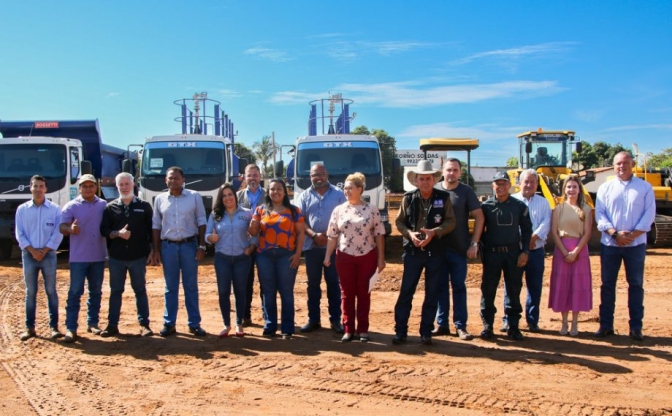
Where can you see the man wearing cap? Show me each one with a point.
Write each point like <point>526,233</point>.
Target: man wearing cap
<point>506,247</point>
<point>178,234</point>
<point>540,215</point>
<point>127,226</point>
<point>425,216</point>
<point>317,204</point>
<point>81,220</point>
<point>459,246</point>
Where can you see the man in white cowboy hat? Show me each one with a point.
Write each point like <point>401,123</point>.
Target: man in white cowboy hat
<point>425,216</point>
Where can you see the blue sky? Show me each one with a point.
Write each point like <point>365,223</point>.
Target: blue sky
<point>482,69</point>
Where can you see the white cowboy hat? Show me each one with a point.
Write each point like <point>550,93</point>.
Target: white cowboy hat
<point>424,168</point>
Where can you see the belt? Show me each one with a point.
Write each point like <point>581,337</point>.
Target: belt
<point>503,249</point>
<point>184,240</point>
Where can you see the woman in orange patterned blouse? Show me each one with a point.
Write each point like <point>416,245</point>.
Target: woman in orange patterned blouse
<point>281,229</point>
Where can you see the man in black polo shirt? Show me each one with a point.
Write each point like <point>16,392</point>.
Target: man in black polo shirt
<point>506,245</point>
<point>127,226</point>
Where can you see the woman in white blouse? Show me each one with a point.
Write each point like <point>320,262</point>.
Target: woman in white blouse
<point>357,233</point>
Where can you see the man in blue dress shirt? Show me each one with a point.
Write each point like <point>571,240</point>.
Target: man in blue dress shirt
<point>37,232</point>
<point>625,210</point>
<point>317,203</point>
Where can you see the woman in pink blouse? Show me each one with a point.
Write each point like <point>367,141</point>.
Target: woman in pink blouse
<point>357,231</point>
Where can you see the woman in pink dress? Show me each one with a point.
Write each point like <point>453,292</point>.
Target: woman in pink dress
<point>571,279</point>
<point>357,232</point>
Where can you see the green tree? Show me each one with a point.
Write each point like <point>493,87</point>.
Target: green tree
<point>512,162</point>
<point>661,160</point>
<point>245,152</point>
<point>263,152</point>
<point>388,148</point>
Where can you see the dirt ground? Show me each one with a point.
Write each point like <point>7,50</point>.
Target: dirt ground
<point>317,374</point>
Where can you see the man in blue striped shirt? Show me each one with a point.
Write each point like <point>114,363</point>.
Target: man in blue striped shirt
<point>625,210</point>
<point>37,232</point>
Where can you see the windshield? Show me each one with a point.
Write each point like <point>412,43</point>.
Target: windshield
<point>195,158</point>
<point>22,161</point>
<point>340,158</point>
<point>546,153</point>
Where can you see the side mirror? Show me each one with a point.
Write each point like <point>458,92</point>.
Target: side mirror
<point>528,147</point>
<point>279,169</point>
<point>579,147</point>
<point>87,168</point>
<point>242,164</point>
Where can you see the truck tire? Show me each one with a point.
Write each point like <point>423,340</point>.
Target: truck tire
<point>6,247</point>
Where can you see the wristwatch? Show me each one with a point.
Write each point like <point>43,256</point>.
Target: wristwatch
<point>202,248</point>
<point>474,244</point>
<point>614,235</point>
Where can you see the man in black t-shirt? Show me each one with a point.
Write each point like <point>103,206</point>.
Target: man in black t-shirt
<point>459,246</point>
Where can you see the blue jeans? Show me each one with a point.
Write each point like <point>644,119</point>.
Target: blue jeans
<point>276,276</point>
<point>534,280</point>
<point>314,266</point>
<point>137,270</point>
<point>93,273</point>
<point>31,269</point>
<point>610,259</point>
<point>232,269</point>
<point>413,266</point>
<point>456,274</point>
<point>178,258</point>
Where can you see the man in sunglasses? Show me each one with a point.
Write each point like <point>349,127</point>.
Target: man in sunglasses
<point>506,247</point>
<point>127,226</point>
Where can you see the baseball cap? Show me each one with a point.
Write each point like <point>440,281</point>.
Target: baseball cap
<point>87,178</point>
<point>501,176</point>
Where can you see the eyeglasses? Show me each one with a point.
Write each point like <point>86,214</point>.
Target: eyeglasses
<point>127,211</point>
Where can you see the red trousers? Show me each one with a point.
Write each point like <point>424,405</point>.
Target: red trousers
<point>354,273</point>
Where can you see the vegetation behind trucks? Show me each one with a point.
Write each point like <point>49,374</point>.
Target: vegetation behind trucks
<point>208,160</point>
<point>341,153</point>
<point>61,151</point>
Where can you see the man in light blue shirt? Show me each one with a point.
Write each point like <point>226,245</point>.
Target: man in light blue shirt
<point>178,235</point>
<point>317,203</point>
<point>37,232</point>
<point>625,210</point>
<point>540,214</point>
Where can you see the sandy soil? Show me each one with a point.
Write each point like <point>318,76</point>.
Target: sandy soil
<point>317,374</point>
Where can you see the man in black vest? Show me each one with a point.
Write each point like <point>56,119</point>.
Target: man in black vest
<point>426,215</point>
<point>506,246</point>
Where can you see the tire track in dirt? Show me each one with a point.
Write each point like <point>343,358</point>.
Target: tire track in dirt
<point>304,381</point>
<point>22,361</point>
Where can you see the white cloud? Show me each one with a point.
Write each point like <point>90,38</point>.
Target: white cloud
<point>542,49</point>
<point>641,127</point>
<point>588,116</point>
<point>226,93</point>
<point>413,94</point>
<point>267,53</point>
<point>355,49</point>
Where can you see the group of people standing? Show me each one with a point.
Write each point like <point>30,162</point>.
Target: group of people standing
<point>510,232</point>
<point>341,237</point>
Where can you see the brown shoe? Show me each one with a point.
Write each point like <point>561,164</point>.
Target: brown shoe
<point>28,334</point>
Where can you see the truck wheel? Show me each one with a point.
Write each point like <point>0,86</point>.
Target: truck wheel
<point>6,249</point>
